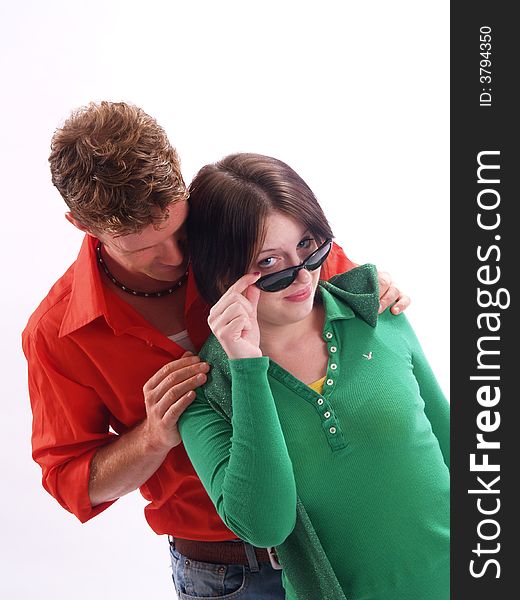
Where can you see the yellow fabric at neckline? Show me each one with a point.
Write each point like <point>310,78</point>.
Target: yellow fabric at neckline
<point>317,386</point>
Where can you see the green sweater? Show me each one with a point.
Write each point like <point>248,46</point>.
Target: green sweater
<point>367,458</point>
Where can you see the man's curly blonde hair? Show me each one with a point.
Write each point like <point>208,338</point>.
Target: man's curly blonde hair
<point>115,168</point>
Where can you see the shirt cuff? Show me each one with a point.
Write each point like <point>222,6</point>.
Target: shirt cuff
<point>249,365</point>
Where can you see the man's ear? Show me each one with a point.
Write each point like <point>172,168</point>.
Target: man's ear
<point>78,224</point>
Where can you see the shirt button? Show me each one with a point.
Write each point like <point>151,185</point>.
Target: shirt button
<point>328,335</point>
<point>333,348</point>
<point>326,414</point>
<point>320,401</point>
<point>332,430</point>
<point>330,381</point>
<point>333,366</point>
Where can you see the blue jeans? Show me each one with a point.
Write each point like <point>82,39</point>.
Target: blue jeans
<point>196,580</point>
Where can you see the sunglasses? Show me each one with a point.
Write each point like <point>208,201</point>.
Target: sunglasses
<point>274,282</point>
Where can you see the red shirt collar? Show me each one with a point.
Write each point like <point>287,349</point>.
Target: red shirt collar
<point>89,300</point>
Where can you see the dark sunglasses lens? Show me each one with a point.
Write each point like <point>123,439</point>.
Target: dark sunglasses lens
<point>277,281</point>
<point>316,259</point>
<point>283,279</point>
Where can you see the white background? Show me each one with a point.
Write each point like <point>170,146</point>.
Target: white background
<point>353,95</point>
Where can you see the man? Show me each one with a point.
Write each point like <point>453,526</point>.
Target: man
<point>111,349</point>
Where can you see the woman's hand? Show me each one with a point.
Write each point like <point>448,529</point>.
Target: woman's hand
<point>233,319</point>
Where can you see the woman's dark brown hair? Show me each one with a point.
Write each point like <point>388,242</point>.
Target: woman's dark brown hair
<point>229,202</point>
<point>115,168</point>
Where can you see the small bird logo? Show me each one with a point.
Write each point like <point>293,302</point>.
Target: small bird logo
<point>368,356</point>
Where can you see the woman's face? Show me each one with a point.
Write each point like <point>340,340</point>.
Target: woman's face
<point>287,244</point>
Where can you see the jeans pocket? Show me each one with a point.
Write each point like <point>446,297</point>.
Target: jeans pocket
<point>195,580</point>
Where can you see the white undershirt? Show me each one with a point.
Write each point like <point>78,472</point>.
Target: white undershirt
<point>183,340</point>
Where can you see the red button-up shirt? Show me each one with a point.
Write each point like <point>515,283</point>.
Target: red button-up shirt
<point>89,354</point>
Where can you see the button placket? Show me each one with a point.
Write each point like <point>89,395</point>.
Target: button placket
<point>332,366</point>
<point>322,406</point>
<point>327,418</point>
<point>329,423</point>
<point>324,409</point>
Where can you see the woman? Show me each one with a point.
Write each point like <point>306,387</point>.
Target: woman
<point>321,431</point>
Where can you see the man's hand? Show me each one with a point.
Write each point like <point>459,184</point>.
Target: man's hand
<point>233,319</point>
<point>133,457</point>
<point>167,395</point>
<point>389,293</point>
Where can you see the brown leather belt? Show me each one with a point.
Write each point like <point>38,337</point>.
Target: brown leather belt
<point>220,553</point>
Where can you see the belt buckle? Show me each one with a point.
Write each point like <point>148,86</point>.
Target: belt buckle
<point>273,558</point>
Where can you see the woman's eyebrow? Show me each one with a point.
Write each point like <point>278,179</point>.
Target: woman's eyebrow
<point>268,250</point>
<point>306,232</point>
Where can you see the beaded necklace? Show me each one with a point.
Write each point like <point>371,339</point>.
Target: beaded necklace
<point>129,290</point>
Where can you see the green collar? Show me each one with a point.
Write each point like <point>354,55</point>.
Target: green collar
<point>353,292</point>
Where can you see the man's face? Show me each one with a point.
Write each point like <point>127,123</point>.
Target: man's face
<point>158,252</point>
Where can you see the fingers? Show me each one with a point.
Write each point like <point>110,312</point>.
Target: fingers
<point>233,306</point>
<point>244,282</point>
<point>233,319</point>
<point>170,396</point>
<point>231,324</point>
<point>235,294</point>
<point>179,381</point>
<point>390,295</point>
<point>393,295</point>
<point>223,306</point>
<point>175,368</point>
<point>385,281</point>
<point>253,295</point>
<point>169,392</point>
<point>172,415</point>
<point>402,304</point>
<point>239,309</point>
